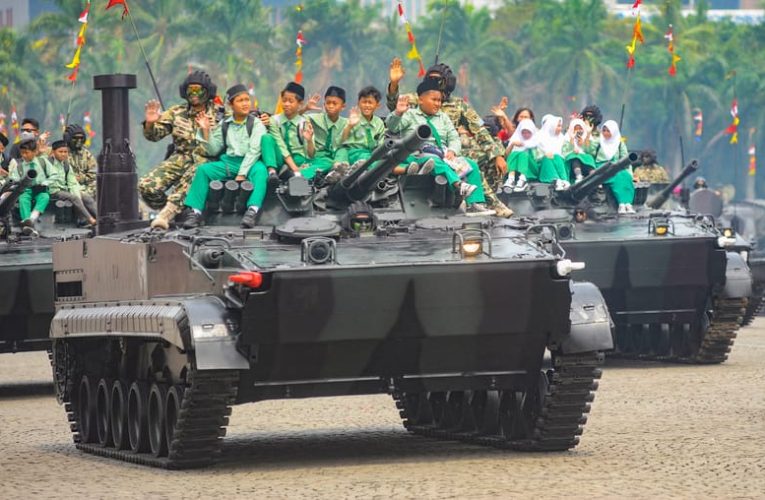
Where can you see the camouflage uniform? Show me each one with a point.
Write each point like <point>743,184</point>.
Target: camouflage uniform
<point>477,142</point>
<point>178,170</point>
<point>655,174</point>
<point>84,165</point>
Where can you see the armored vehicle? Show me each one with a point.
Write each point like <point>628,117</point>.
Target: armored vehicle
<point>26,270</point>
<point>367,286</point>
<point>673,288</point>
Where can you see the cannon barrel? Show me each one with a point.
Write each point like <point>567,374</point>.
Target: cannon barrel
<point>359,184</point>
<point>15,192</point>
<point>230,193</point>
<point>665,193</point>
<point>580,191</point>
<point>245,190</point>
<point>214,196</point>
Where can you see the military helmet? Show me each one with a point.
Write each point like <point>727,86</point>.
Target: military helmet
<point>592,114</point>
<point>198,77</point>
<point>700,183</point>
<point>448,78</point>
<point>71,130</point>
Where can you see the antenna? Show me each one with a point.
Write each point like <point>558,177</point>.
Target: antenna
<point>441,31</point>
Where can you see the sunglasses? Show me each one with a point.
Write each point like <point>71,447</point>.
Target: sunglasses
<point>29,130</point>
<point>196,92</point>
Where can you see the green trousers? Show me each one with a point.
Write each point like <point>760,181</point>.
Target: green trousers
<point>621,186</point>
<point>356,154</point>
<point>524,163</point>
<point>323,161</point>
<point>551,169</point>
<point>587,161</point>
<point>272,156</point>
<point>442,168</point>
<point>223,170</point>
<point>40,199</point>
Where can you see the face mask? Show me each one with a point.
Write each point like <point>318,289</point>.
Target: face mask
<point>77,142</point>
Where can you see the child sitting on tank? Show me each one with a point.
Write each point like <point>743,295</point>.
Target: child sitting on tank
<point>576,149</point>
<point>610,149</point>
<point>64,185</point>
<point>552,169</point>
<point>237,140</point>
<point>291,133</point>
<point>522,162</point>
<point>442,147</point>
<point>34,200</point>
<point>323,148</point>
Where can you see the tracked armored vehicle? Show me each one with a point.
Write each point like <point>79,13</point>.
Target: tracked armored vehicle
<point>26,271</point>
<point>673,288</point>
<point>367,286</point>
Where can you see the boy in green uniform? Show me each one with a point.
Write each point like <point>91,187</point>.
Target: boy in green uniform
<point>63,184</point>
<point>290,132</point>
<point>240,159</point>
<point>38,192</point>
<point>324,149</point>
<point>365,131</point>
<point>444,139</point>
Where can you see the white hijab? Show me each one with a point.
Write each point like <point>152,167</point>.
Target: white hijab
<point>610,146</point>
<point>531,143</point>
<point>571,134</point>
<point>549,141</point>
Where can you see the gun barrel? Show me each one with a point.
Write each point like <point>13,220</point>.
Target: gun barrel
<point>358,185</point>
<point>230,192</point>
<point>665,193</point>
<point>580,191</point>
<point>7,203</point>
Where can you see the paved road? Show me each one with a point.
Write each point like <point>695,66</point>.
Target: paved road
<point>655,431</point>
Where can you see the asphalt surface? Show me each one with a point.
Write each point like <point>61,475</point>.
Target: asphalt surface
<point>655,430</point>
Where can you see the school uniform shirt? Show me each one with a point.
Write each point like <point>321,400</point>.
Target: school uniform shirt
<point>444,134</point>
<point>239,144</point>
<point>287,134</point>
<point>63,178</point>
<point>367,134</point>
<point>39,163</point>
<point>327,135</point>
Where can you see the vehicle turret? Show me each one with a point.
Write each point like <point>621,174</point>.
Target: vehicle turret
<point>661,197</point>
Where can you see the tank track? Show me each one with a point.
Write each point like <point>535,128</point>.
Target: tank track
<point>712,348</point>
<point>200,428</point>
<point>556,426</point>
<point>755,304</point>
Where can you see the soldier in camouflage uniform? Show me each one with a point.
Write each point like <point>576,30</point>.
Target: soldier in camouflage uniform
<point>178,169</point>
<point>477,143</point>
<point>81,160</point>
<point>650,171</point>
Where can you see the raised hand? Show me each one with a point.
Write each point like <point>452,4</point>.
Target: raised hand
<point>313,103</point>
<point>308,131</point>
<point>396,71</point>
<point>402,105</point>
<point>203,121</point>
<point>265,119</point>
<point>354,117</point>
<point>152,111</point>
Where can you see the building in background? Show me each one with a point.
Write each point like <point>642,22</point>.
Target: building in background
<point>16,14</point>
<point>738,11</point>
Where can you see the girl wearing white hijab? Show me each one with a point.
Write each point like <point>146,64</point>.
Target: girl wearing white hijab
<point>577,149</point>
<point>611,149</point>
<point>552,169</point>
<point>522,165</point>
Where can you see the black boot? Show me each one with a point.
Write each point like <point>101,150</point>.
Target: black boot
<point>250,217</point>
<point>193,220</point>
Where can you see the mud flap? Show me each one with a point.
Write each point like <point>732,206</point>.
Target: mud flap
<point>590,321</point>
<point>212,338</point>
<point>738,277</point>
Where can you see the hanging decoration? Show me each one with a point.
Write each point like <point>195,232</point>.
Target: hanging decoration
<point>74,65</point>
<point>300,41</point>
<point>670,36</point>
<point>15,124</point>
<point>88,126</point>
<point>752,153</point>
<point>637,35</point>
<point>413,53</point>
<point>732,129</point>
<point>698,121</point>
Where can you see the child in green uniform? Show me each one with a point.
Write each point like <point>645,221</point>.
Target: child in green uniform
<point>63,183</point>
<point>324,149</point>
<point>576,150</point>
<point>365,131</point>
<point>522,164</point>
<point>611,149</point>
<point>36,194</point>
<point>550,152</point>
<point>289,131</point>
<point>240,160</point>
<point>444,141</point>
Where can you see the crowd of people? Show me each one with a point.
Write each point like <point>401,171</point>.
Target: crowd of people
<point>478,156</point>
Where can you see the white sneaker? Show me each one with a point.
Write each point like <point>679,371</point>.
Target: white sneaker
<point>509,184</point>
<point>559,185</point>
<point>521,185</point>
<point>475,209</point>
<point>427,167</point>
<point>565,184</point>
<point>629,208</point>
<point>466,189</point>
<point>413,168</point>
<point>622,208</point>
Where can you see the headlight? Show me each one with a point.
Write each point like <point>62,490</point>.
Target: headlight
<point>472,248</point>
<point>564,267</point>
<point>728,232</point>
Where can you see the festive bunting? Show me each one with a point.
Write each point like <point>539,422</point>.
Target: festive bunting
<point>2,124</point>
<point>752,161</point>
<point>89,133</point>
<point>637,35</point>
<point>413,53</point>
<point>125,10</point>
<point>732,129</point>
<point>300,41</point>
<point>698,120</point>
<point>15,124</point>
<point>75,64</point>
<point>61,121</point>
<point>670,36</point>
